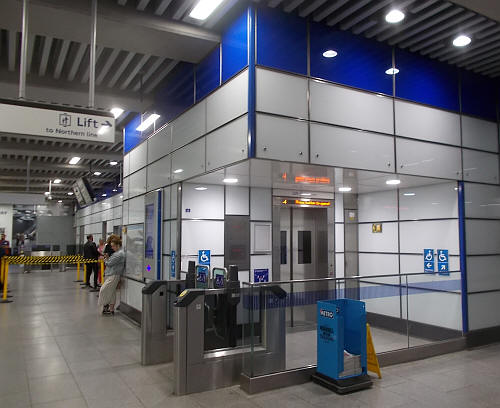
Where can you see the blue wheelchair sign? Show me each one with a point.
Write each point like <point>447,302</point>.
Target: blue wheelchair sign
<point>204,257</point>
<point>429,260</point>
<point>443,262</point>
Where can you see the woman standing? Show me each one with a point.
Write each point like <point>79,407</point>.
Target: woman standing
<point>115,266</point>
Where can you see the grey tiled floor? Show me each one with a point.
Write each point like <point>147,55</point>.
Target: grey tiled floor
<point>57,352</point>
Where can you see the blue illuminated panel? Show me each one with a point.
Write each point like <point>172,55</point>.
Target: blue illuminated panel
<point>479,95</point>
<point>177,95</point>
<point>235,47</point>
<point>208,74</point>
<point>131,136</point>
<point>360,63</point>
<point>281,41</point>
<point>425,81</point>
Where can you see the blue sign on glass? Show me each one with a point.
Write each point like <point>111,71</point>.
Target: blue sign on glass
<point>429,260</point>
<point>201,276</point>
<point>261,275</point>
<point>204,257</point>
<point>443,264</point>
<point>172,264</point>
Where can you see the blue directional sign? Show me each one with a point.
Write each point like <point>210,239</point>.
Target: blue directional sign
<point>261,275</point>
<point>443,264</point>
<point>429,260</point>
<point>204,257</point>
<point>172,264</point>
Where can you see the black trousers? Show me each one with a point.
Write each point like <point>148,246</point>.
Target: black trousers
<point>92,267</point>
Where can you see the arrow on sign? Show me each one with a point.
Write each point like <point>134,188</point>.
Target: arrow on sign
<point>428,265</point>
<point>107,123</point>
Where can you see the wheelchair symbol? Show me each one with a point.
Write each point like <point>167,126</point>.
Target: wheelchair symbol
<point>429,256</point>
<point>442,257</point>
<point>203,257</point>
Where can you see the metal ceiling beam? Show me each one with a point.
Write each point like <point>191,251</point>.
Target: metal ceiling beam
<point>160,77</point>
<point>292,5</point>
<point>325,12</point>
<point>126,82</point>
<point>82,48</point>
<point>274,3</point>
<point>21,175</point>
<point>40,165</point>
<point>160,9</point>
<point>182,8</point>
<point>142,4</point>
<point>47,45</point>
<point>86,73</point>
<point>355,7</point>
<point>121,69</point>
<point>480,60</point>
<point>472,52</point>
<point>361,27</point>
<point>311,7</point>
<point>61,58</point>
<point>422,5</point>
<point>117,27</point>
<point>107,66</point>
<point>346,25</point>
<point>456,52</point>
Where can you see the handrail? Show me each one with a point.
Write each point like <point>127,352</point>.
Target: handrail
<point>357,277</point>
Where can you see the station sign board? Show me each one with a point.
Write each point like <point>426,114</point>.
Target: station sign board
<point>27,120</point>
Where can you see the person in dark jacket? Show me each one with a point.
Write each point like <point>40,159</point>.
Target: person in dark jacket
<point>90,252</point>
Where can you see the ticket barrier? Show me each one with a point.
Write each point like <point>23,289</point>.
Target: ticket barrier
<point>208,327</point>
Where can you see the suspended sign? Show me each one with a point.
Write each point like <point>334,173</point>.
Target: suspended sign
<point>312,180</point>
<point>28,120</point>
<point>309,203</point>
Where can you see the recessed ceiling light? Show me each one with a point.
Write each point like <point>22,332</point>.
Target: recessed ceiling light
<point>74,160</point>
<point>306,199</point>
<point>113,163</point>
<point>305,194</point>
<point>70,193</point>
<point>409,194</point>
<point>330,54</point>
<point>392,71</point>
<point>393,182</point>
<point>115,190</point>
<point>57,181</point>
<point>148,122</point>
<point>345,189</point>
<point>178,171</point>
<point>59,201</point>
<point>97,173</point>
<point>394,16</point>
<point>204,8</point>
<point>201,188</point>
<point>461,41</point>
<point>116,112</point>
<point>47,193</point>
<point>230,180</point>
<point>104,195</point>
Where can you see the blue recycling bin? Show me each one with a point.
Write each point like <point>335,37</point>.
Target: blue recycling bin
<point>341,345</point>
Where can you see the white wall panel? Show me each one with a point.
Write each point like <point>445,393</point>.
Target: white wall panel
<point>159,173</point>
<point>378,264</point>
<point>136,210</point>
<point>166,203</point>
<point>160,144</point>
<point>191,159</point>
<point>483,310</point>
<point>125,190</point>
<point>339,207</point>
<point>482,201</point>
<point>479,134</point>
<point>380,206</point>
<point>415,236</point>
<point>428,159</point>
<point>237,200</point>
<point>198,234</point>
<point>208,204</point>
<point>388,306</point>
<point>433,201</point>
<point>339,237</point>
<point>281,94</point>
<point>339,265</point>
<point>281,139</point>
<point>438,309</point>
<point>260,204</point>
<point>125,207</point>
<point>228,144</point>
<point>261,237</point>
<point>482,237</point>
<point>139,157</point>
<point>347,107</point>
<point>133,293</point>
<point>228,102</point>
<point>174,192</point>
<point>167,238</point>
<point>261,262</point>
<point>189,126</point>
<point>126,165</point>
<point>480,167</point>
<point>422,122</point>
<point>483,273</point>
<point>337,146</point>
<point>117,212</point>
<point>137,183</point>
<point>386,241</point>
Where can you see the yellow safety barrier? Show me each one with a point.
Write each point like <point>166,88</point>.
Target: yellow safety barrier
<point>102,271</point>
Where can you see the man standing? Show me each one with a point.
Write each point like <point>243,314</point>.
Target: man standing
<point>90,252</point>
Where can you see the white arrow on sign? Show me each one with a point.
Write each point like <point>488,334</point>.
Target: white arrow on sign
<point>428,265</point>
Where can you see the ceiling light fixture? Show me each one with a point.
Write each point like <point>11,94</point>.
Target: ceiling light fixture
<point>393,182</point>
<point>113,163</point>
<point>70,193</point>
<point>115,190</point>
<point>461,41</point>
<point>392,71</point>
<point>305,194</point>
<point>201,188</point>
<point>230,180</point>
<point>148,122</point>
<point>330,53</point>
<point>74,160</point>
<point>47,193</point>
<point>59,201</point>
<point>345,189</point>
<point>104,195</point>
<point>178,171</point>
<point>117,112</point>
<point>57,181</point>
<point>394,16</point>
<point>97,173</point>
<point>409,194</point>
<point>204,8</point>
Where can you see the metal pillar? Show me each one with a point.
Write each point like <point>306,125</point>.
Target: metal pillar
<point>24,52</point>
<point>92,55</point>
